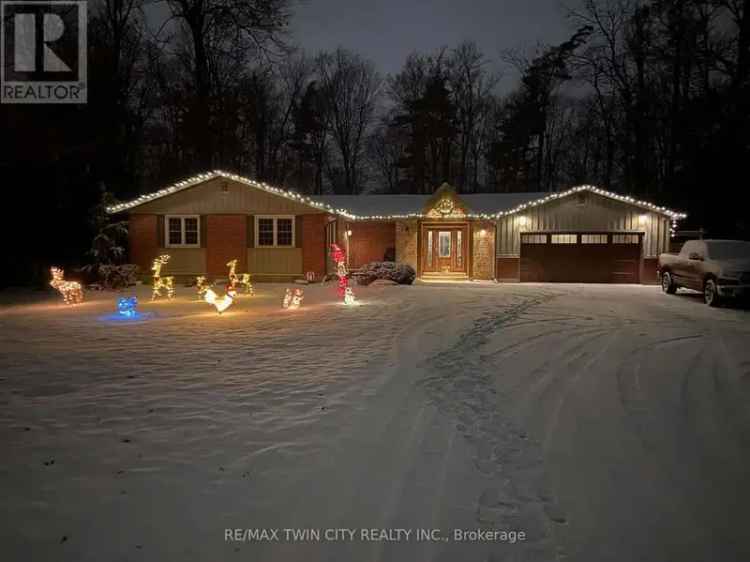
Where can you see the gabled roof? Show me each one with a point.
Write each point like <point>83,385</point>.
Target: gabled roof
<point>384,207</point>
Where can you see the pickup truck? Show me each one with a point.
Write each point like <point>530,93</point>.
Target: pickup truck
<point>720,269</point>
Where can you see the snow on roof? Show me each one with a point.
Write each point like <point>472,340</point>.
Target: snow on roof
<point>380,207</point>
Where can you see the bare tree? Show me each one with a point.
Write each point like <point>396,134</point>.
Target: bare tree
<point>349,86</point>
<point>224,30</point>
<point>472,85</point>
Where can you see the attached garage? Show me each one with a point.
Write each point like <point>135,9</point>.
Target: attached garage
<point>583,235</point>
<point>588,257</point>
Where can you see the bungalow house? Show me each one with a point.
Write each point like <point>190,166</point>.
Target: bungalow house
<point>584,234</point>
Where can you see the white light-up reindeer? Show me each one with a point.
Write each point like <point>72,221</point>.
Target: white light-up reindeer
<point>161,283</point>
<point>70,290</point>
<point>202,285</point>
<point>239,279</point>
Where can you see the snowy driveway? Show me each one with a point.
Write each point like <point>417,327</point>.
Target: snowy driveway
<point>606,423</point>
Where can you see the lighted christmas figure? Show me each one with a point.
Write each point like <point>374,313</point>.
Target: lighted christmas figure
<point>161,283</point>
<point>287,299</point>
<point>242,279</point>
<point>202,285</point>
<point>349,296</point>
<point>127,306</point>
<point>70,290</point>
<point>299,294</point>
<point>339,256</point>
<point>222,303</point>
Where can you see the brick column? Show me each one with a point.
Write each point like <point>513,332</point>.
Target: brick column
<point>226,239</point>
<point>484,250</point>
<point>143,240</point>
<point>314,244</point>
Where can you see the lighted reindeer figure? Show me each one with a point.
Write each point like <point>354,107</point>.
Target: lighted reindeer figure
<point>202,285</point>
<point>239,279</point>
<point>70,290</point>
<point>161,283</point>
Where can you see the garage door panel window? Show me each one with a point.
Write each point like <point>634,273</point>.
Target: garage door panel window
<point>534,238</point>
<point>593,238</point>
<point>564,239</point>
<point>626,239</point>
<point>274,232</point>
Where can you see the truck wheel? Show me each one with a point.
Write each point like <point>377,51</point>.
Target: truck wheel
<point>667,283</point>
<point>711,293</point>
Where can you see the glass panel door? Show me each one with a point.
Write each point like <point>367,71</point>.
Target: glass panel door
<point>445,244</point>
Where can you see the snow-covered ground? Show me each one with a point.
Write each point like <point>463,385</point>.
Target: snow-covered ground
<point>607,423</point>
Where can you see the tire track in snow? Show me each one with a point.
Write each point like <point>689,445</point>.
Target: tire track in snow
<point>461,386</point>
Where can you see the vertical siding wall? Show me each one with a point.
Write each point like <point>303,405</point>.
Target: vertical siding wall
<point>596,214</point>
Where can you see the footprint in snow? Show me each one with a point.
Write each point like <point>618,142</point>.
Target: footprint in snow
<point>555,513</point>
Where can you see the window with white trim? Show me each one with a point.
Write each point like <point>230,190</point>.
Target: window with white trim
<point>272,231</point>
<point>182,231</point>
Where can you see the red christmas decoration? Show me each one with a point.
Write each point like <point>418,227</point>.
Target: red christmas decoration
<point>339,256</point>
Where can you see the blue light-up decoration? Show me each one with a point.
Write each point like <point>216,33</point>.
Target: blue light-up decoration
<point>127,307</point>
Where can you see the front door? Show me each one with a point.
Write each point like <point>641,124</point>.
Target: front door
<point>444,249</point>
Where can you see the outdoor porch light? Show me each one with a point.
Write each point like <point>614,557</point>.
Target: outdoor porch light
<point>483,233</point>
<point>522,221</point>
<point>642,219</point>
<point>348,233</point>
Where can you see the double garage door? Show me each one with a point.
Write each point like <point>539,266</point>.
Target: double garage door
<point>587,257</point>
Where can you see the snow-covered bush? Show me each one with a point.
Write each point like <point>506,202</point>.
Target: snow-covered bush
<point>400,273</point>
<point>107,246</point>
<point>118,276</point>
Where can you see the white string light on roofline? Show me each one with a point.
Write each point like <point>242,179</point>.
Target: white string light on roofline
<point>304,199</point>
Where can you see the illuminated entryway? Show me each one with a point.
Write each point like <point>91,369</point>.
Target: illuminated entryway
<point>444,249</point>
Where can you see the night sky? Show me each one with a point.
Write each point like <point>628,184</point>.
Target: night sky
<point>386,31</point>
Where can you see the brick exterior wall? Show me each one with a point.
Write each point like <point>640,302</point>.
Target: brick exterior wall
<point>226,239</point>
<point>407,242</point>
<point>483,253</point>
<point>509,269</point>
<point>314,244</point>
<point>370,241</point>
<point>143,240</point>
